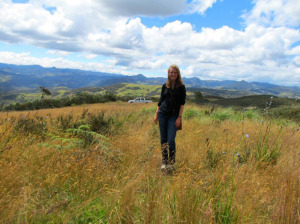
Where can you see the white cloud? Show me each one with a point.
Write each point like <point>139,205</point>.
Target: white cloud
<point>200,6</point>
<point>296,60</point>
<point>274,13</point>
<point>145,7</point>
<point>111,29</point>
<point>156,7</point>
<point>60,53</point>
<point>90,56</point>
<point>27,22</point>
<point>26,59</point>
<point>99,29</point>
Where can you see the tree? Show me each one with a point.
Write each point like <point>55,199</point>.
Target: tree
<point>44,92</point>
<point>198,95</point>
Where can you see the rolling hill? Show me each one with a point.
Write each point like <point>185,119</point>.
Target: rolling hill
<point>14,78</point>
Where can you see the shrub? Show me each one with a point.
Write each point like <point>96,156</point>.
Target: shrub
<point>64,122</point>
<point>28,125</point>
<point>290,113</point>
<point>251,114</point>
<point>78,99</point>
<point>98,123</point>
<point>222,115</point>
<point>87,136</point>
<point>191,113</point>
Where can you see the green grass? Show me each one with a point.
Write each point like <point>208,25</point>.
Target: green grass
<point>136,90</point>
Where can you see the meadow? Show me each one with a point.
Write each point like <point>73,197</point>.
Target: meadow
<point>100,163</point>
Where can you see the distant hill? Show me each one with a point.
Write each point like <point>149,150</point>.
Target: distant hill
<point>25,77</point>
<point>15,77</point>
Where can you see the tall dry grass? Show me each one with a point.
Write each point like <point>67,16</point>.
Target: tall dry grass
<point>227,171</point>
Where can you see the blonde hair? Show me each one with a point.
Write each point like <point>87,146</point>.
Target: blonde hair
<point>178,81</point>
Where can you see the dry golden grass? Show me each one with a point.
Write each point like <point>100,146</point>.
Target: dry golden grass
<point>76,110</point>
<point>46,180</point>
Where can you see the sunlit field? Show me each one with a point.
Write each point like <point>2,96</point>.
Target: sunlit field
<point>100,163</point>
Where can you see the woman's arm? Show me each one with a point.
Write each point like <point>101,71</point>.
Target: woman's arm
<point>180,115</point>
<point>181,110</point>
<point>159,103</point>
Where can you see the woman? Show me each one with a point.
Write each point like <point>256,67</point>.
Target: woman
<point>169,114</point>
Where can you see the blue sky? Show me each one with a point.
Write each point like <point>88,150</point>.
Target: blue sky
<point>257,40</point>
<point>223,13</point>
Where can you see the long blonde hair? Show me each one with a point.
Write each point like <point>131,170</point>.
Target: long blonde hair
<point>178,81</point>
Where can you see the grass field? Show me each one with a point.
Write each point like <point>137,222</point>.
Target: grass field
<point>100,163</point>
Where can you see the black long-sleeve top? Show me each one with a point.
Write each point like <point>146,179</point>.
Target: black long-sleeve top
<point>171,105</point>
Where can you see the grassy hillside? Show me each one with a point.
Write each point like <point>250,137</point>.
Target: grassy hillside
<point>122,90</point>
<point>29,95</point>
<point>126,90</point>
<point>100,163</point>
<point>134,90</point>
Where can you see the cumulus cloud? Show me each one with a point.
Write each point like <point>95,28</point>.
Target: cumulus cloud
<point>274,13</point>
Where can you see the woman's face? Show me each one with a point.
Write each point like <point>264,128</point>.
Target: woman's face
<point>173,74</point>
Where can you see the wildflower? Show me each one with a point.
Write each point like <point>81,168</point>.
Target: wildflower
<point>242,121</point>
<point>238,155</point>
<point>46,117</point>
<point>247,135</point>
<point>44,123</point>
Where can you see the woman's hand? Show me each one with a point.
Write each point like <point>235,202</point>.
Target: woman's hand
<point>155,118</point>
<point>178,120</point>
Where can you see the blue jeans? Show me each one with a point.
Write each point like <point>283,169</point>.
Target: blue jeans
<point>168,131</point>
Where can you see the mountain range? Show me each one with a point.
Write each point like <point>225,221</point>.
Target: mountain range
<point>24,77</point>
